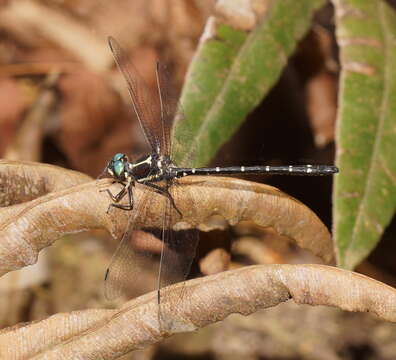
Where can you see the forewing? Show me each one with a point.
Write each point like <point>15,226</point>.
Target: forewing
<point>145,102</point>
<point>169,107</point>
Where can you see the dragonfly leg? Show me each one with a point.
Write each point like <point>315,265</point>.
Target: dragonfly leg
<point>117,197</point>
<point>121,194</point>
<point>165,192</point>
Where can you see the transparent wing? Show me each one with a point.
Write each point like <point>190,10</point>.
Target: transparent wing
<point>130,268</point>
<point>184,147</point>
<point>133,262</point>
<point>145,102</point>
<point>169,107</point>
<point>178,253</point>
<point>171,111</point>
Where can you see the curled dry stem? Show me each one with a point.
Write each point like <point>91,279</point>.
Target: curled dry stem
<point>27,228</point>
<point>205,301</point>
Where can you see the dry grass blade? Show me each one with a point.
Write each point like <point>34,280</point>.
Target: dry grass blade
<point>209,300</point>
<point>27,228</point>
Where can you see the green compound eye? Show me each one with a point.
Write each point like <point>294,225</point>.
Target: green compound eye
<point>117,157</point>
<point>118,167</point>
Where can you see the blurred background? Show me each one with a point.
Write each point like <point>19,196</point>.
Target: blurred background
<point>63,102</point>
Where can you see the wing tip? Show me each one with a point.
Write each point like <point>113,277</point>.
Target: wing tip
<point>111,41</point>
<point>106,274</point>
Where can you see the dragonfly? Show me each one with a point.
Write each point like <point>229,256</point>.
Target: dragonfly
<point>156,111</point>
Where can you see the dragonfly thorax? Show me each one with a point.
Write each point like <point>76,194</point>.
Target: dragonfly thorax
<point>154,167</point>
<point>142,168</point>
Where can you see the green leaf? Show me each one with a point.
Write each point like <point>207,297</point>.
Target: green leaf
<point>230,74</point>
<point>365,189</point>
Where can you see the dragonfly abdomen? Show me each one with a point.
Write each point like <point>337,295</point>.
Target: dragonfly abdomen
<point>307,170</point>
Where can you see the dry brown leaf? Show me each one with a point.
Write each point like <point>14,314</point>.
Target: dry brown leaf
<point>259,251</point>
<point>79,40</point>
<point>113,333</point>
<point>21,181</point>
<point>216,261</point>
<point>169,27</point>
<point>321,92</point>
<point>242,14</point>
<point>11,111</point>
<point>92,115</point>
<point>27,228</point>
<point>27,143</point>
<point>317,62</point>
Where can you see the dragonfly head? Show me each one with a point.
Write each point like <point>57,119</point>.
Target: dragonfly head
<point>117,166</point>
